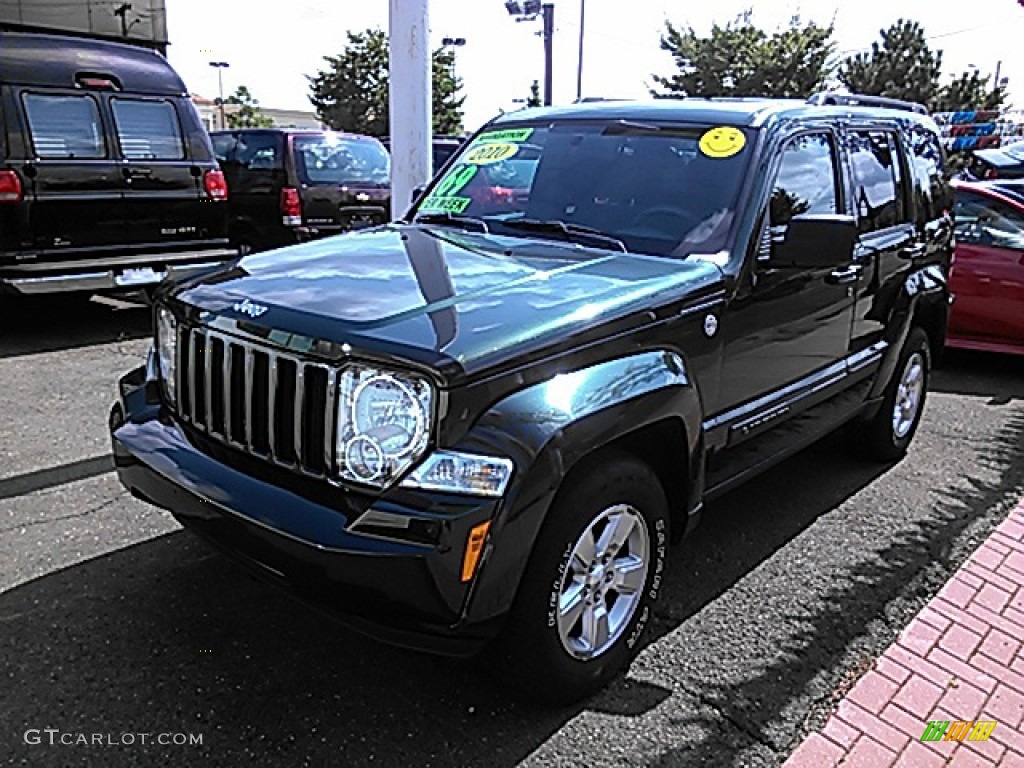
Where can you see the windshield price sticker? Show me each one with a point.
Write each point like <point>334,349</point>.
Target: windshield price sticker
<point>488,153</point>
<point>512,134</point>
<point>439,204</point>
<point>723,141</point>
<point>453,182</point>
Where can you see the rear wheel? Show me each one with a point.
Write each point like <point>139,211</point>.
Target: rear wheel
<point>887,435</point>
<point>591,583</point>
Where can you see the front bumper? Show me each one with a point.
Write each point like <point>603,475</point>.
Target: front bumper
<point>300,538</point>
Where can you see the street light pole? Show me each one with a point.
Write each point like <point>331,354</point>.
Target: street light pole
<point>548,12</point>
<point>579,65</point>
<point>220,66</point>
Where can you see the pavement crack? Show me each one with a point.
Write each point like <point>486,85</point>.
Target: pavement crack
<point>753,734</point>
<point>32,523</point>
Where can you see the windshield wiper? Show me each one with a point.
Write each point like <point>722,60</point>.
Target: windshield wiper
<point>574,232</point>
<point>453,219</point>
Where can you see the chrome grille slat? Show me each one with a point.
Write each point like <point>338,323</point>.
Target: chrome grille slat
<point>295,389</point>
<point>272,406</point>
<point>250,371</point>
<point>300,391</point>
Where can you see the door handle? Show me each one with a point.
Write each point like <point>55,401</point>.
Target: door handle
<point>845,275</point>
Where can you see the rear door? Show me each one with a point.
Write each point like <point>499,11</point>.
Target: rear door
<point>72,177</point>
<point>163,186</point>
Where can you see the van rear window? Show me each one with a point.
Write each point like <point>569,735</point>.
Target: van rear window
<point>148,130</point>
<point>65,127</point>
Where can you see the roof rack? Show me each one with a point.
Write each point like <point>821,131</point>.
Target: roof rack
<point>831,98</point>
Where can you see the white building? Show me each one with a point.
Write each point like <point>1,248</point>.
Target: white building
<point>210,114</point>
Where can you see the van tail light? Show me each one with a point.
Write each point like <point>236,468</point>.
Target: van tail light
<point>215,185</point>
<point>291,207</point>
<point>11,190</point>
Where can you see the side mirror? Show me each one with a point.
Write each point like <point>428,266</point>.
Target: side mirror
<point>815,241</point>
<point>417,192</point>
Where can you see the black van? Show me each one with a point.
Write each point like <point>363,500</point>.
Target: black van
<point>289,186</point>
<point>107,178</point>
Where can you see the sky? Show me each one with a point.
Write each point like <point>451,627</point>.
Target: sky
<point>271,47</point>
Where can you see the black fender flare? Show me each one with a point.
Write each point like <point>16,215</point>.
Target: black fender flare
<point>923,301</point>
<point>548,428</point>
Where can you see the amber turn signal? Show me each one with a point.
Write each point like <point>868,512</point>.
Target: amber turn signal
<point>474,546</point>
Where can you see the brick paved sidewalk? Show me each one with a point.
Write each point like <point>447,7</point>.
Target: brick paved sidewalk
<point>960,659</point>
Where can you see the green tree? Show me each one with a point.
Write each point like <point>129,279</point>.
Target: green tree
<point>248,113</point>
<point>534,99</point>
<point>351,92</point>
<point>741,59</point>
<point>970,91</point>
<point>901,66</point>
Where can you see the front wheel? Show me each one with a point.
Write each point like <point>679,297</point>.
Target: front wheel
<point>591,584</point>
<point>887,435</point>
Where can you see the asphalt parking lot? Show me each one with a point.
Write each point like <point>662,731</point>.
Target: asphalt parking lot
<point>113,620</point>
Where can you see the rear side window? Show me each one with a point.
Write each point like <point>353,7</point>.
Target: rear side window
<point>148,130</point>
<point>259,151</point>
<point>64,127</point>
<point>877,182</point>
<point>986,221</point>
<point>933,192</point>
<point>223,147</point>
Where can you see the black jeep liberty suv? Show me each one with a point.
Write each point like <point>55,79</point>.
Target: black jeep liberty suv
<point>483,425</point>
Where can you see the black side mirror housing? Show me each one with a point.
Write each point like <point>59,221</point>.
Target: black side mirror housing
<point>815,241</point>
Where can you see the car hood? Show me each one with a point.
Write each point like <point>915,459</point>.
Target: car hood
<point>454,301</point>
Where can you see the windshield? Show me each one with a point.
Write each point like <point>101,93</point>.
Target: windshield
<point>332,159</point>
<point>666,190</point>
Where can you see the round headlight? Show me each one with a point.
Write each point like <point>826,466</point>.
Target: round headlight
<point>383,423</point>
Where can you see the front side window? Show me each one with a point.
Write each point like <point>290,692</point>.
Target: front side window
<point>148,130</point>
<point>259,151</point>
<point>986,221</point>
<point>877,183</point>
<point>333,159</point>
<point>806,183</point>
<point>64,127</point>
<point>932,189</point>
<point>659,189</point>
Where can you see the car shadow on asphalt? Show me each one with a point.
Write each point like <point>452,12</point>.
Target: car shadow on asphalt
<point>55,323</point>
<point>981,374</point>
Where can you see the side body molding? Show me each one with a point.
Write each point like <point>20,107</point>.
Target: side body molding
<point>546,428</point>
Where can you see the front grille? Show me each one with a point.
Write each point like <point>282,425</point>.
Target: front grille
<point>255,398</point>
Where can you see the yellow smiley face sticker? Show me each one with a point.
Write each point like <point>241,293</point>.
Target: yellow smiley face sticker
<point>723,141</point>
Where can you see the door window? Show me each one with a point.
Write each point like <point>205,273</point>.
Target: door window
<point>877,180</point>
<point>806,183</point>
<point>258,151</point>
<point>986,221</point>
<point>148,130</point>
<point>64,127</point>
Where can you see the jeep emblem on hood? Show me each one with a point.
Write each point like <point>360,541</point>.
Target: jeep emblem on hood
<point>249,308</point>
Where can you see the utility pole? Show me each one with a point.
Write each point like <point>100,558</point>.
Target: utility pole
<point>220,66</point>
<point>579,64</point>
<point>548,12</point>
<point>409,99</point>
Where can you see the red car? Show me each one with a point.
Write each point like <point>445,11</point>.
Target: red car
<point>987,276</point>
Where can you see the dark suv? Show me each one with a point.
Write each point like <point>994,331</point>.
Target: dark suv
<point>485,423</point>
<point>107,178</point>
<point>289,186</point>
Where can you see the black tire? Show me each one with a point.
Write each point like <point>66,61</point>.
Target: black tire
<point>534,655</point>
<point>880,439</point>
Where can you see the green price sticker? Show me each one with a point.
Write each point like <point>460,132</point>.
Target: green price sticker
<point>512,134</point>
<point>438,204</point>
<point>453,181</point>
